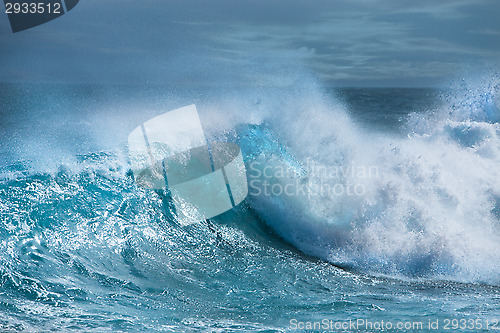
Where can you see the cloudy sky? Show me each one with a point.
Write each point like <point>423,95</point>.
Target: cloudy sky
<point>257,42</point>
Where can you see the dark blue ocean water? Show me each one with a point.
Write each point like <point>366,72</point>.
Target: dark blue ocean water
<point>417,246</point>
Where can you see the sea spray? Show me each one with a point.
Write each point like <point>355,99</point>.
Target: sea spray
<point>431,209</point>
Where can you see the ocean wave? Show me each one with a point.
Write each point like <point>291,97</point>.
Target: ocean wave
<point>429,208</point>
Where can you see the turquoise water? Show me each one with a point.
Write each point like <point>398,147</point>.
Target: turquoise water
<point>83,249</point>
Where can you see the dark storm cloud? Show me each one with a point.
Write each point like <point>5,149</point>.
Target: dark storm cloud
<point>222,42</point>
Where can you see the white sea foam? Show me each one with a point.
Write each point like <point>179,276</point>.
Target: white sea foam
<point>431,210</point>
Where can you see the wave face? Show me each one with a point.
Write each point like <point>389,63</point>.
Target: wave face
<point>406,203</point>
<point>423,202</point>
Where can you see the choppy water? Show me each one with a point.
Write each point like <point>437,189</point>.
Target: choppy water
<point>83,249</point>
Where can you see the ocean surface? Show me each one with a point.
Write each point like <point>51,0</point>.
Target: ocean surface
<point>390,220</point>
